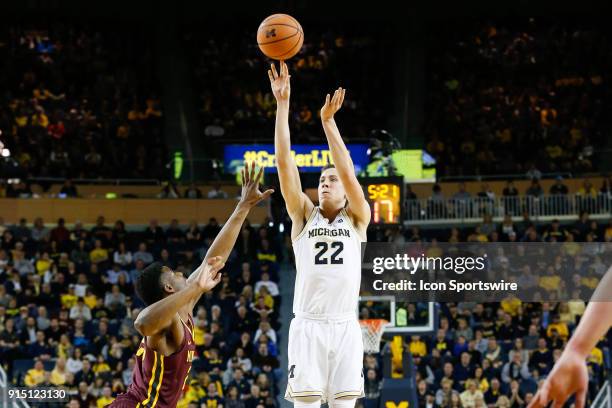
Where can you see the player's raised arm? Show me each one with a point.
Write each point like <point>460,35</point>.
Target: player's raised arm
<point>226,239</point>
<point>570,376</point>
<point>298,204</point>
<point>358,206</point>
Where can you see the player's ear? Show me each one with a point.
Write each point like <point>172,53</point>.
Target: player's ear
<point>167,285</point>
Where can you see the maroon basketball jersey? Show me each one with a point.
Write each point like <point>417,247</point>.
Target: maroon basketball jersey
<point>158,380</point>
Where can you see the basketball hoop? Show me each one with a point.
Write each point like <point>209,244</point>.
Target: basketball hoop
<point>372,331</point>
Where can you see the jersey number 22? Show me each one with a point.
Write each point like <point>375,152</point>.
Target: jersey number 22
<point>321,259</point>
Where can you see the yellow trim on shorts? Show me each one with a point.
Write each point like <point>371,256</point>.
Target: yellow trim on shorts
<point>304,393</point>
<point>348,394</point>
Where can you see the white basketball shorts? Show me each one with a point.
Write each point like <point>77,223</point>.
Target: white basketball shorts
<point>325,358</point>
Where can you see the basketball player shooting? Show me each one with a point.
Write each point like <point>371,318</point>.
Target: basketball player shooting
<point>163,360</point>
<point>325,343</point>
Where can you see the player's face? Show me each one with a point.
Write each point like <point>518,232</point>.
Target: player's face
<point>331,190</point>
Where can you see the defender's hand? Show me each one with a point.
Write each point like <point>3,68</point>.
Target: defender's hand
<point>569,376</point>
<point>281,86</point>
<point>250,186</point>
<point>209,275</point>
<point>332,106</point>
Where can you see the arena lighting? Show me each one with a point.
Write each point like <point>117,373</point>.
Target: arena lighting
<point>6,153</point>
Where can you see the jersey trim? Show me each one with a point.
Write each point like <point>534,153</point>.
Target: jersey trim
<point>186,325</point>
<point>350,222</point>
<point>315,210</point>
<point>157,376</point>
<point>161,379</point>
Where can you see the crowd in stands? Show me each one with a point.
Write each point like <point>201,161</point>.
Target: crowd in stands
<point>67,308</point>
<point>234,91</point>
<point>496,354</point>
<point>506,94</point>
<point>534,200</point>
<point>80,101</point>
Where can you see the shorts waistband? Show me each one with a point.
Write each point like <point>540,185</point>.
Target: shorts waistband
<point>340,317</point>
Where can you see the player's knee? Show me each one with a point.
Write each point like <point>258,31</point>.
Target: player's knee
<point>344,402</point>
<point>307,402</point>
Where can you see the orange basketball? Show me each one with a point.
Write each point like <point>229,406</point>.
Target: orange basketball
<point>280,36</point>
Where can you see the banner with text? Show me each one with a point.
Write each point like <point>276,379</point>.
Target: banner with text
<point>309,158</point>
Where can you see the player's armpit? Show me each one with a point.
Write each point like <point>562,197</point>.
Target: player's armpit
<point>169,340</point>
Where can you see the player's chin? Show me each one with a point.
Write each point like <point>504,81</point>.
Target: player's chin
<point>329,200</point>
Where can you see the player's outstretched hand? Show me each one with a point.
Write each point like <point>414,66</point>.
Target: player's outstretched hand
<point>251,195</point>
<point>332,105</point>
<point>209,274</point>
<point>569,376</point>
<point>281,85</point>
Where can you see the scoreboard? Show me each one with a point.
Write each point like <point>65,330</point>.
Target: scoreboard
<point>385,196</point>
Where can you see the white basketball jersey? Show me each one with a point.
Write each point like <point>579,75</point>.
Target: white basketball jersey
<point>328,263</point>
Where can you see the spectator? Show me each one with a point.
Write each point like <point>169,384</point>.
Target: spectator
<point>122,256</point>
<point>371,389</point>
<point>68,190</point>
<point>134,273</point>
<point>216,193</point>
<point>60,233</point>
<point>471,394</point>
<point>113,275</point>
<point>533,173</point>
<point>142,254</point>
<point>98,254</point>
<point>115,299</point>
<point>59,374</point>
<point>106,397</point>
<point>36,376</point>
<point>169,190</point>
<point>515,369</point>
<point>84,397</point>
<point>74,364</point>
<point>265,281</point>
<point>39,232</point>
<point>193,192</point>
<point>154,234</point>
<point>445,393</point>
<point>80,310</point>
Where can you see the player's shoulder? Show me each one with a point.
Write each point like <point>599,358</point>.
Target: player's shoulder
<point>360,226</point>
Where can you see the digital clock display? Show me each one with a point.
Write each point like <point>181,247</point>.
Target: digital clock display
<point>385,200</point>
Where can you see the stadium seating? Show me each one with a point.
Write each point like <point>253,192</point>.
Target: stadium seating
<point>508,94</point>
<point>77,285</point>
<point>80,101</point>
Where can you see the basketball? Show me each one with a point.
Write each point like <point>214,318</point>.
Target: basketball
<point>280,36</point>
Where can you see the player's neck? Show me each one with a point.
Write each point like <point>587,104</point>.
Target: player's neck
<point>328,212</point>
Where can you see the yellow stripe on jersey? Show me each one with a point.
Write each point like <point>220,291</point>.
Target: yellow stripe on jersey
<point>153,372</point>
<point>161,378</point>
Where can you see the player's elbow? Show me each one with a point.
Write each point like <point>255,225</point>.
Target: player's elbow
<point>143,327</point>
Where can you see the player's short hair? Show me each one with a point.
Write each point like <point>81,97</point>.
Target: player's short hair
<point>148,284</point>
<point>329,166</point>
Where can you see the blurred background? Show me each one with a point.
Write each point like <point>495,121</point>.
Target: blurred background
<point>125,125</point>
